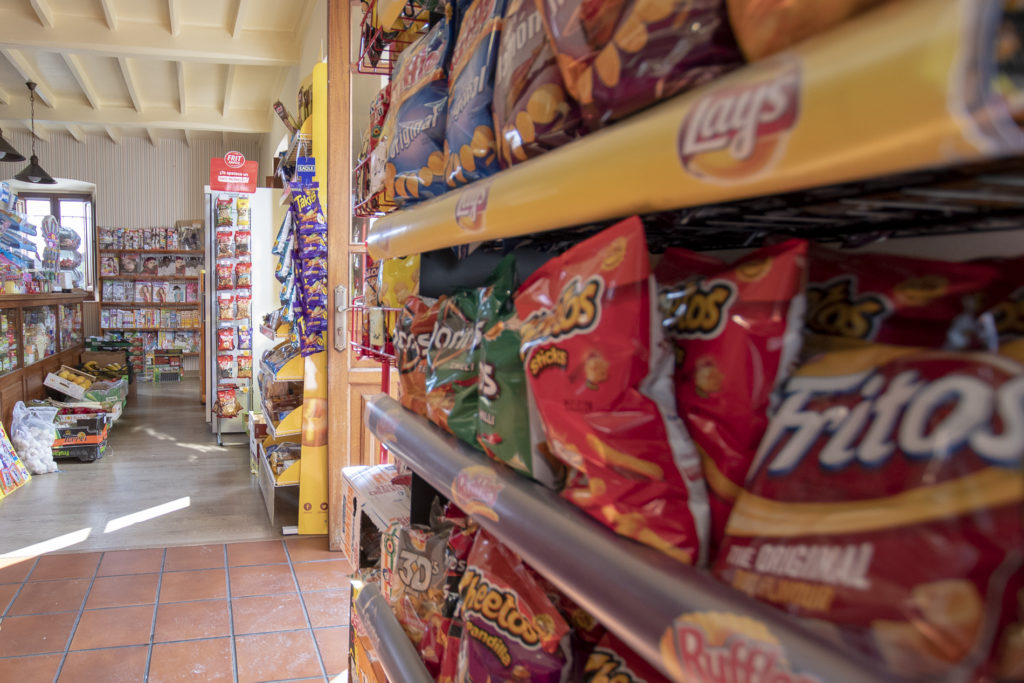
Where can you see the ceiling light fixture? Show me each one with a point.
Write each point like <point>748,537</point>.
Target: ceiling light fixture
<point>34,173</point>
<point>7,151</point>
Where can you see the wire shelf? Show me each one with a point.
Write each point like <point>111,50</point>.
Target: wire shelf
<point>368,332</point>
<point>379,48</point>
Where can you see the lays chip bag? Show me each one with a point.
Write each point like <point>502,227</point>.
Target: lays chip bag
<point>600,374</point>
<point>736,330</point>
<point>886,498</point>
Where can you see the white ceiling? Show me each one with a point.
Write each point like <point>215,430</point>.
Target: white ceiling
<point>157,68</point>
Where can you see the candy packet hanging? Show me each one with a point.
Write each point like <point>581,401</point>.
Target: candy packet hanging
<point>227,404</point>
<point>225,276</point>
<point>242,206</point>
<point>243,306</point>
<point>225,307</point>
<point>243,239</point>
<point>244,366</point>
<point>226,368</point>
<point>225,205</point>
<point>226,244</point>
<point>245,337</point>
<point>226,339</point>
<point>243,275</point>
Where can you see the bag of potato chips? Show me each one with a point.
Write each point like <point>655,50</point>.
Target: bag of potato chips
<point>886,498</point>
<point>613,660</point>
<point>620,56</point>
<point>469,148</point>
<point>737,332</point>
<point>412,338</point>
<point>399,279</point>
<point>600,373</point>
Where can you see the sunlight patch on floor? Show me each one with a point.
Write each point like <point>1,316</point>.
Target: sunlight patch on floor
<point>147,514</point>
<point>48,546</point>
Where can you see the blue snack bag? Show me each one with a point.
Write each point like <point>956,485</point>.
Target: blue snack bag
<point>414,128</point>
<point>469,149</point>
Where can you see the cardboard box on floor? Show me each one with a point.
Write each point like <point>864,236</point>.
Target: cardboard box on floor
<point>368,491</point>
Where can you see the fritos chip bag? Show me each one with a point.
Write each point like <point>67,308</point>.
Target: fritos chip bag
<point>415,122</point>
<point>412,338</point>
<point>600,374</point>
<point>859,298</point>
<point>469,149</point>
<point>532,112</point>
<point>454,351</point>
<point>737,331</point>
<point>886,498</point>
<point>511,632</point>
<point>613,660</point>
<point>620,56</point>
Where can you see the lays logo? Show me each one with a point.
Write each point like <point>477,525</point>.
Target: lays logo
<point>577,311</point>
<point>473,24</point>
<point>471,206</point>
<point>697,309</point>
<point>735,132</point>
<point>834,308</point>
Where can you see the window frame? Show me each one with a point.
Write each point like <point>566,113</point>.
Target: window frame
<point>89,257</point>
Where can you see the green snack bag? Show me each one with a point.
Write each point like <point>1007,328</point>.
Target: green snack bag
<point>504,407</point>
<point>454,351</point>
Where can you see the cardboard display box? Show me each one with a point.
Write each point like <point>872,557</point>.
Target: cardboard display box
<point>81,436</point>
<point>369,492</point>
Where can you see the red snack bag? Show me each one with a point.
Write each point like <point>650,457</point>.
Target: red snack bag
<point>226,244</point>
<point>891,299</point>
<point>1008,309</point>
<point>600,375</point>
<point>225,276</point>
<point>736,330</point>
<point>243,305</point>
<point>613,660</point>
<point>620,56</point>
<point>227,404</point>
<point>511,629</point>
<point>244,366</point>
<point>243,275</point>
<point>412,338</point>
<point>225,307</point>
<point>886,498</point>
<point>242,245</point>
<point>226,339</point>
<point>226,368</point>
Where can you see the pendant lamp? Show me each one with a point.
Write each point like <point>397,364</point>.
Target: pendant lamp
<point>34,173</point>
<point>7,152</point>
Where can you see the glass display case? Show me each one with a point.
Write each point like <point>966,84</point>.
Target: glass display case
<point>9,340</point>
<point>39,332</point>
<point>70,325</point>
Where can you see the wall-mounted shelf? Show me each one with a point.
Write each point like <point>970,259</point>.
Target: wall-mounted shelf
<point>189,252</point>
<point>150,304</point>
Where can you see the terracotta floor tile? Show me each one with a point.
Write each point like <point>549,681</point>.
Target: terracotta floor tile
<point>268,613</point>
<point>261,580</point>
<point>7,592</point>
<point>192,620</point>
<point>319,576</point>
<point>74,566</point>
<point>35,635</point>
<point>51,596</point>
<point>203,584</point>
<point>113,627</point>
<point>333,646</point>
<point>40,668</point>
<point>122,591</point>
<point>117,665</point>
<point>196,660</point>
<point>194,557</point>
<point>276,656</point>
<point>14,570</point>
<point>305,549</point>
<point>328,608</point>
<point>131,562</point>
<point>256,552</point>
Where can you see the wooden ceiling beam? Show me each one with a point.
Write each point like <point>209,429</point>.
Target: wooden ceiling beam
<point>174,13</point>
<point>229,88</point>
<point>29,73</point>
<point>77,70</point>
<point>112,134</point>
<point>43,11</point>
<point>197,118</point>
<point>109,15</point>
<point>129,82</point>
<point>77,133</point>
<point>179,67</point>
<point>241,6</point>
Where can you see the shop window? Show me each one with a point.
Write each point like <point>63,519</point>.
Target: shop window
<point>73,212</point>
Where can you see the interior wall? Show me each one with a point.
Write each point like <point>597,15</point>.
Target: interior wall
<point>138,184</point>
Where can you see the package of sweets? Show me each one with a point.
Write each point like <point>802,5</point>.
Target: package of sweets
<point>243,275</point>
<point>504,407</point>
<point>227,404</point>
<point>242,206</point>
<point>600,374</point>
<point>245,337</point>
<point>469,148</point>
<point>737,331</point>
<point>225,210</point>
<point>225,307</point>
<point>226,244</point>
<point>454,351</point>
<point>226,339</point>
<point>532,112</point>
<point>414,328</point>
<point>886,497</point>
<point>414,127</point>
<point>226,368</point>
<point>243,305</point>
<point>618,57</point>
<point>225,276</point>
<point>527,639</point>
<point>243,244</point>
<point>244,366</point>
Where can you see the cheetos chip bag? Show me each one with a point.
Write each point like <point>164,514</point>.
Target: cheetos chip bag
<point>601,376</point>
<point>886,499</point>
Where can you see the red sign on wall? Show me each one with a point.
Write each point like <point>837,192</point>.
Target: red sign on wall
<point>233,173</point>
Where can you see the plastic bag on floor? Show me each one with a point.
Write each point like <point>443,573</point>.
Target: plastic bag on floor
<point>33,433</point>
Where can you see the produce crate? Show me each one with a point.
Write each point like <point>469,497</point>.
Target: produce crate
<point>81,436</point>
<point>54,381</point>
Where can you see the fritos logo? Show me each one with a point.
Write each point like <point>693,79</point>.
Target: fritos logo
<point>470,207</point>
<point>697,309</point>
<point>735,132</point>
<point>234,160</point>
<point>834,308</point>
<point>475,490</point>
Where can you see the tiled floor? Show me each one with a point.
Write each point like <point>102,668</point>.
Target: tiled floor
<point>242,612</point>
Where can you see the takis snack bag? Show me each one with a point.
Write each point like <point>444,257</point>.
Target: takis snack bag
<point>620,56</point>
<point>469,149</point>
<point>886,498</point>
<point>532,112</point>
<point>600,373</point>
<point>737,331</point>
<point>858,298</point>
<point>414,128</point>
<point>412,339</point>
<point>511,630</point>
<point>504,407</point>
<point>454,351</point>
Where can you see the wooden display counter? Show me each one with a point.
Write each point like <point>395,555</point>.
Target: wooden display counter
<point>38,334</point>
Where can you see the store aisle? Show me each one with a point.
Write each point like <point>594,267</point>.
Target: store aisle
<point>164,481</point>
<point>257,611</point>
